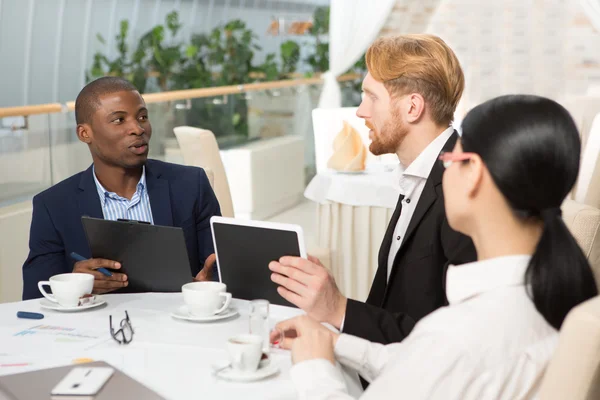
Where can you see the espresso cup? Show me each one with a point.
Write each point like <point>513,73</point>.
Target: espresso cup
<point>67,289</point>
<point>204,299</point>
<point>245,352</point>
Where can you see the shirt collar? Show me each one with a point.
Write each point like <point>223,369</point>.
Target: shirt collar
<point>472,279</point>
<point>142,183</point>
<point>421,167</point>
<point>103,192</point>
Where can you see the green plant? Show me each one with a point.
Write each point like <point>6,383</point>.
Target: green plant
<point>319,59</point>
<point>152,57</point>
<point>193,72</point>
<point>269,68</point>
<point>120,66</point>
<point>232,50</point>
<point>114,67</point>
<point>162,57</point>
<point>221,58</point>
<point>290,56</point>
<point>320,21</point>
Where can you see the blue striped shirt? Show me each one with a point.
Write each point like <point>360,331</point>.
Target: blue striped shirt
<point>115,206</point>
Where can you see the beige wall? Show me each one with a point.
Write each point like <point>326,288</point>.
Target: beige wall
<point>14,236</point>
<point>33,166</point>
<point>544,47</point>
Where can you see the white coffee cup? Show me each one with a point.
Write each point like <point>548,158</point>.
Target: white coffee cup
<point>68,288</point>
<point>204,299</point>
<point>245,352</point>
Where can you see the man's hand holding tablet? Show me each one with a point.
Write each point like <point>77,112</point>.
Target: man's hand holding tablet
<point>310,286</point>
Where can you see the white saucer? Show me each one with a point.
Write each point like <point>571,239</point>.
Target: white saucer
<point>47,304</point>
<point>183,313</point>
<point>232,375</point>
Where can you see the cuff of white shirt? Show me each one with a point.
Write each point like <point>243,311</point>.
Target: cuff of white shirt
<point>317,379</point>
<point>342,324</point>
<point>351,351</point>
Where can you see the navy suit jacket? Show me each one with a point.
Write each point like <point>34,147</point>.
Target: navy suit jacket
<point>180,196</point>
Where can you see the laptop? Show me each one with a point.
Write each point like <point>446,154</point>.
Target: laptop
<point>154,257</point>
<point>39,384</point>
<point>244,250</point>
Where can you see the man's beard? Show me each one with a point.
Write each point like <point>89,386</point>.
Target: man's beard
<point>390,137</point>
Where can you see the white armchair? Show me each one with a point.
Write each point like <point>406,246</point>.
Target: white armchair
<point>587,190</point>
<point>574,371</point>
<point>199,148</point>
<point>583,222</point>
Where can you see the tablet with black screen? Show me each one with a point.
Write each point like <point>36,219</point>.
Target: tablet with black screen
<point>244,250</point>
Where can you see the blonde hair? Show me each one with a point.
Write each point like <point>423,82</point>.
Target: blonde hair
<point>419,63</point>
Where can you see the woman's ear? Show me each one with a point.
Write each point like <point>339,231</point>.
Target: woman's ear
<point>475,173</point>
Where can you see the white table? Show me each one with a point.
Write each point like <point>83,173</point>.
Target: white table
<point>353,213</point>
<point>169,356</point>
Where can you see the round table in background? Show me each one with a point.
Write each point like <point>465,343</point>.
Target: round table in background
<point>353,212</point>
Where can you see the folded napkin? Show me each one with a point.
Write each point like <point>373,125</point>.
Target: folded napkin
<point>349,152</point>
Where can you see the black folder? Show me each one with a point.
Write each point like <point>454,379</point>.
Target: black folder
<point>153,257</point>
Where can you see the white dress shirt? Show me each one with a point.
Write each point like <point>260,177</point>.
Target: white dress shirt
<point>489,343</point>
<point>412,181</point>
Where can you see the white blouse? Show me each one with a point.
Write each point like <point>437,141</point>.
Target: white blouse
<point>489,343</point>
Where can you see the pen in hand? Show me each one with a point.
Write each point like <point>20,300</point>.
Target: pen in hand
<point>78,257</point>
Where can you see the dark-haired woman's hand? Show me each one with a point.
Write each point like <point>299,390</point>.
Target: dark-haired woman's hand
<point>308,339</point>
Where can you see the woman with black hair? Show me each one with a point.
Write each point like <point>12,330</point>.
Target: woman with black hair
<point>505,181</point>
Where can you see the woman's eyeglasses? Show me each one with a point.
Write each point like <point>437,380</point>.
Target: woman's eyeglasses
<point>125,334</point>
<point>448,157</point>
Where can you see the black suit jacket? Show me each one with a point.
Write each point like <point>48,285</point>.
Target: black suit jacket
<point>417,281</point>
<point>180,196</point>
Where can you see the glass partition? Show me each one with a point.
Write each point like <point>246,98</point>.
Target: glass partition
<point>39,151</point>
<point>351,93</point>
<point>25,157</point>
<point>69,155</point>
<point>239,119</point>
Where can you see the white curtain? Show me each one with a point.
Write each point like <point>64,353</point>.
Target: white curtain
<point>592,10</point>
<point>353,25</point>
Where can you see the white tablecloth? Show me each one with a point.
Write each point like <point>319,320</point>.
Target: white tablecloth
<point>377,186</point>
<point>169,356</point>
<point>353,235</point>
<point>353,213</point>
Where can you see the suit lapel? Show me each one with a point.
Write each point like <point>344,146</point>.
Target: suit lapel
<point>159,194</point>
<point>384,250</point>
<point>426,200</point>
<point>88,199</point>
<point>380,279</point>
<point>428,197</point>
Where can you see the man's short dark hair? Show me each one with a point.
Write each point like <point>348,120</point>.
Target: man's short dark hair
<point>87,100</point>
